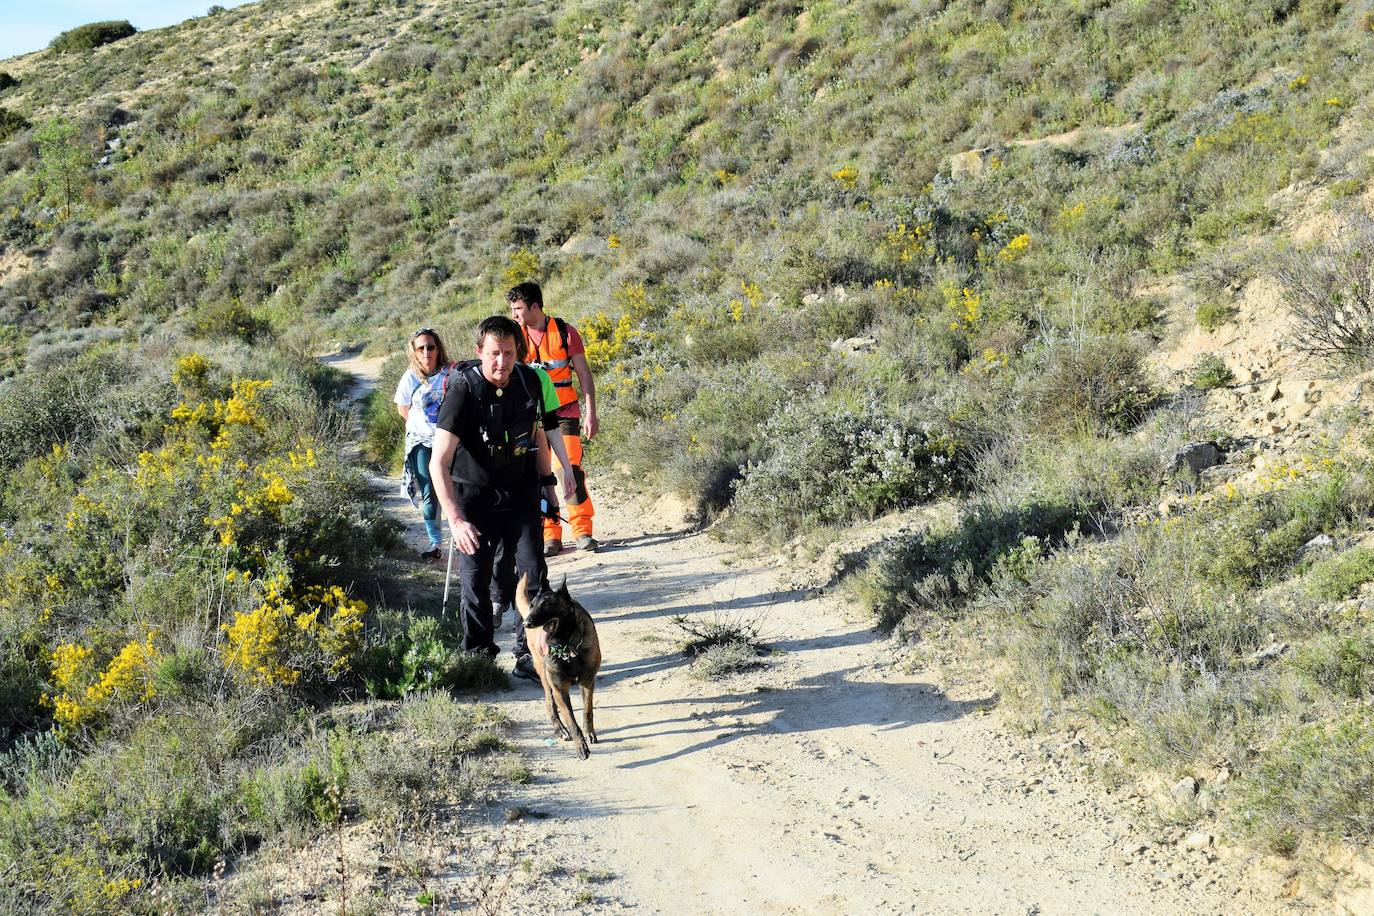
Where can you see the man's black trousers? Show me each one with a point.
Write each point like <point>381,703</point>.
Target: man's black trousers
<point>518,533</point>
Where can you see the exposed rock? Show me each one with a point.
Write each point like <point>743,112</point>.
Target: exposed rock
<point>969,164</point>
<point>1320,542</point>
<point>855,345</point>
<point>1184,791</point>
<point>1268,653</point>
<point>1197,457</point>
<point>812,299</point>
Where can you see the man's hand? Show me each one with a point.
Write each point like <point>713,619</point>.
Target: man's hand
<point>466,537</point>
<point>569,487</point>
<point>589,424</point>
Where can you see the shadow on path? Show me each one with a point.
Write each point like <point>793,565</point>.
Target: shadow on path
<point>807,707</point>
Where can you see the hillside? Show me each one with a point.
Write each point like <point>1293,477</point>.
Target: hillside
<point>1091,276</point>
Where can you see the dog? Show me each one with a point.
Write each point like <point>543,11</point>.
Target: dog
<point>565,650</point>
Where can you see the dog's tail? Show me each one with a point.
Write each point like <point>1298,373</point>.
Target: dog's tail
<point>522,597</point>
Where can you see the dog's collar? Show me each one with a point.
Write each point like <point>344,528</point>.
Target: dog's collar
<point>564,652</point>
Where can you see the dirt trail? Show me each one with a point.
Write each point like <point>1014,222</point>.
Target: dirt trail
<point>829,781</point>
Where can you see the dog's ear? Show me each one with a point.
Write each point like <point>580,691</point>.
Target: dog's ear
<point>563,588</point>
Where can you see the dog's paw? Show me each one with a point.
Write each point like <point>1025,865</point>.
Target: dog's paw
<point>591,736</point>
<point>582,750</point>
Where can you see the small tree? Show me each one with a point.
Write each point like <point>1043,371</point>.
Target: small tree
<point>64,164</point>
<point>1329,289</point>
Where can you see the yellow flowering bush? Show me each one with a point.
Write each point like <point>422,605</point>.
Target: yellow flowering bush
<point>906,242</point>
<point>846,176</point>
<point>190,372</point>
<point>607,339</point>
<point>521,266</point>
<point>84,695</point>
<point>287,636</point>
<point>965,303</point>
<point>1014,249</point>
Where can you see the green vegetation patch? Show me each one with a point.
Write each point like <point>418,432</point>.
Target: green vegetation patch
<point>92,35</point>
<point>1318,780</point>
<point>11,123</point>
<point>1341,576</point>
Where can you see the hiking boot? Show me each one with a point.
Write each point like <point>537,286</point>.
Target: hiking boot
<point>588,543</point>
<point>524,669</point>
<point>553,548</point>
<point>433,553</point>
<point>499,614</point>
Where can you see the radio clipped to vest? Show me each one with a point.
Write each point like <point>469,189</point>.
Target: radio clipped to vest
<point>505,428</point>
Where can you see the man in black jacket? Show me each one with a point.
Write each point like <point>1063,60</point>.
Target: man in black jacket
<point>489,462</point>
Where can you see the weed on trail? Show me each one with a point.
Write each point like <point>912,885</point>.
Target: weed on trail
<point>730,642</point>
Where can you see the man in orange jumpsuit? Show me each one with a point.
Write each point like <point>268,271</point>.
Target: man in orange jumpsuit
<point>556,346</point>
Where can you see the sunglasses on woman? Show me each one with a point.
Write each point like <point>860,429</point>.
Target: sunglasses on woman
<point>424,348</point>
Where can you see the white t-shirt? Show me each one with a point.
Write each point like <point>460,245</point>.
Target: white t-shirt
<point>424,398</point>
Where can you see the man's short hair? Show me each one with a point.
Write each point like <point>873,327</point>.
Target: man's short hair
<point>527,292</point>
<point>502,328</point>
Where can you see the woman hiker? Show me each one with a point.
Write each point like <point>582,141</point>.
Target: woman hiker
<point>418,397</point>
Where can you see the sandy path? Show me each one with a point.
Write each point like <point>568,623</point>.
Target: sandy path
<point>829,781</point>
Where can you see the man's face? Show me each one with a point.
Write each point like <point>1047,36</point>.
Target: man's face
<point>498,359</point>
<point>530,316</point>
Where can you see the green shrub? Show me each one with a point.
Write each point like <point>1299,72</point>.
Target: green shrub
<point>1211,371</point>
<point>423,658</point>
<point>1318,780</point>
<point>1211,314</point>
<point>1258,540</point>
<point>837,464</point>
<point>11,123</point>
<point>437,733</point>
<point>44,409</point>
<point>7,81</point>
<point>1090,383</point>
<point>1340,577</point>
<point>229,318</point>
<point>92,35</point>
<point>1343,664</point>
<point>383,427</point>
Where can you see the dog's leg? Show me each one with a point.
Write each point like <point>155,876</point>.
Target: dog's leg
<point>558,730</point>
<point>586,684</point>
<point>565,712</point>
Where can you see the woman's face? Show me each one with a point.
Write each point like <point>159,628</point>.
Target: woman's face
<point>427,350</point>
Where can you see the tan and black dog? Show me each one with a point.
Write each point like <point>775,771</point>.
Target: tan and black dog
<point>566,651</point>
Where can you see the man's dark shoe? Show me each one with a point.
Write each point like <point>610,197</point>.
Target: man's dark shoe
<point>553,548</point>
<point>588,544</point>
<point>433,553</point>
<point>524,668</point>
<point>498,614</point>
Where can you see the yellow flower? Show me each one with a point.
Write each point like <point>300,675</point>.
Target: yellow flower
<point>1015,248</point>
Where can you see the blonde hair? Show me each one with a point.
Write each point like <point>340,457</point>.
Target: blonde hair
<point>418,367</point>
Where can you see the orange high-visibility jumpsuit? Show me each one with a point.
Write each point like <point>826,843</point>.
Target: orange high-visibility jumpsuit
<point>551,353</point>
